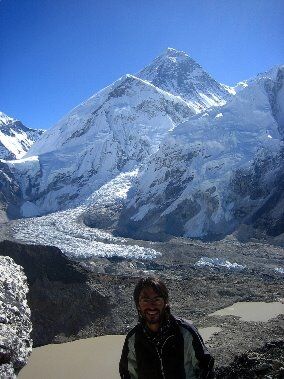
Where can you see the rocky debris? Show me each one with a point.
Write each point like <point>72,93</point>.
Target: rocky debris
<point>196,292</point>
<point>265,363</point>
<point>15,323</point>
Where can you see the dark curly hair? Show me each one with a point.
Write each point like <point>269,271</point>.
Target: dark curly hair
<point>155,283</point>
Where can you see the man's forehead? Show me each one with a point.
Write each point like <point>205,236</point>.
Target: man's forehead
<point>149,291</point>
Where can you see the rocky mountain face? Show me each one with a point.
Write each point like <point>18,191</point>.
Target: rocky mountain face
<point>15,323</point>
<point>114,131</point>
<point>217,170</point>
<point>15,138</point>
<point>10,194</point>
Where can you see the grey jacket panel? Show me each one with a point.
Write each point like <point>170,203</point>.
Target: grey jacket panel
<point>131,358</point>
<point>191,366</point>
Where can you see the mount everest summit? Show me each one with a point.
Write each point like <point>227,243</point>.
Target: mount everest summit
<point>177,73</point>
<point>208,156</point>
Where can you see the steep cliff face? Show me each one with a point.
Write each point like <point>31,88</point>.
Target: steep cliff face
<point>215,170</point>
<point>15,323</point>
<point>62,300</point>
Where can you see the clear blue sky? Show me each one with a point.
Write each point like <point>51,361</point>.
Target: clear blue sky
<point>57,53</point>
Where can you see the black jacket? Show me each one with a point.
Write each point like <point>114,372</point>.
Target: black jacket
<point>177,351</point>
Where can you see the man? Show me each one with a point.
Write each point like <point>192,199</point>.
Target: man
<point>162,346</point>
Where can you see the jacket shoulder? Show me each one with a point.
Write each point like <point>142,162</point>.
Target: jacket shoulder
<point>206,361</point>
<point>134,330</point>
<point>188,325</point>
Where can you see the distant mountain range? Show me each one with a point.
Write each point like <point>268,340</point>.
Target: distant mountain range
<point>15,141</point>
<point>208,157</point>
<point>15,138</point>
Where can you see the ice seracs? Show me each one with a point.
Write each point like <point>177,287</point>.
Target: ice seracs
<point>218,263</point>
<point>66,231</point>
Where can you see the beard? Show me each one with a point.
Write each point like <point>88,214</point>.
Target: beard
<point>153,316</point>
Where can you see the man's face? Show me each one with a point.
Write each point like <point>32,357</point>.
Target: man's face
<point>151,306</point>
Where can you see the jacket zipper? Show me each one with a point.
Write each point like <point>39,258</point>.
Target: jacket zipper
<point>161,363</point>
<point>160,356</point>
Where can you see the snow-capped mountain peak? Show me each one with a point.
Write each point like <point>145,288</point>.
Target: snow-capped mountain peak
<point>271,74</point>
<point>176,55</point>
<point>171,58</point>
<point>176,72</point>
<point>111,132</point>
<point>124,107</point>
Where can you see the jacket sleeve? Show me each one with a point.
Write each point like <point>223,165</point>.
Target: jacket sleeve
<point>127,364</point>
<point>198,362</point>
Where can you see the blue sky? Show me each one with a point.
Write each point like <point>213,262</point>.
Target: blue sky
<point>57,53</point>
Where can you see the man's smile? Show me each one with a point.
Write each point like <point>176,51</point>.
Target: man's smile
<point>152,313</point>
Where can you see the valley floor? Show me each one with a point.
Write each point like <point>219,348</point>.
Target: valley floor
<point>202,278</point>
